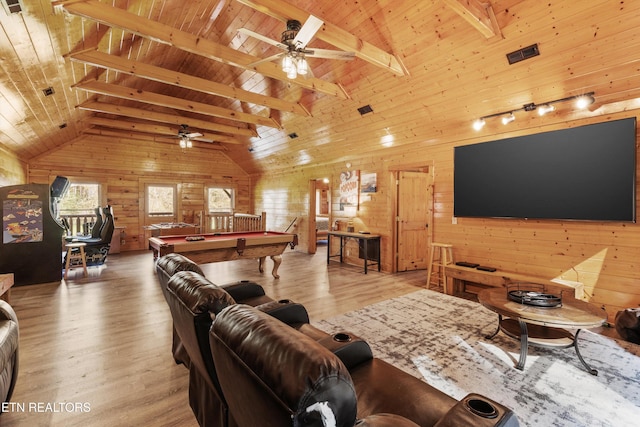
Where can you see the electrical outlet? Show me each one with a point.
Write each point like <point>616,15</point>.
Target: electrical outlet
<point>454,220</point>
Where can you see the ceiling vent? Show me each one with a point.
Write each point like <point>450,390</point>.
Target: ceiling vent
<point>12,6</point>
<point>522,54</point>
<point>293,135</point>
<point>48,91</point>
<point>364,110</point>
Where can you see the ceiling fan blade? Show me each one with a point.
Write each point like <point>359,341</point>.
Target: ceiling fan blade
<point>269,59</point>
<point>263,38</point>
<point>308,30</point>
<point>331,54</point>
<point>193,135</point>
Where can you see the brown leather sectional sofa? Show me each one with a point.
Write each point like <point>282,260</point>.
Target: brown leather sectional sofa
<point>265,365</point>
<point>9,346</point>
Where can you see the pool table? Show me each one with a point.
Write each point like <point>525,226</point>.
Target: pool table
<point>215,247</point>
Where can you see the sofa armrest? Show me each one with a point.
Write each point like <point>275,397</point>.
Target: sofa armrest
<point>286,311</point>
<point>243,290</point>
<point>478,411</point>
<point>385,420</point>
<point>351,349</point>
<point>6,312</point>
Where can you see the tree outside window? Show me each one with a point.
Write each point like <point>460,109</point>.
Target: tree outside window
<point>80,199</point>
<point>220,200</point>
<point>161,200</point>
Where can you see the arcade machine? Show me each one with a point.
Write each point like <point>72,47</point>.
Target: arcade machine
<point>31,244</point>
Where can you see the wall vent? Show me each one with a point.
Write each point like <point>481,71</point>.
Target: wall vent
<point>522,54</point>
<point>12,6</point>
<point>364,110</point>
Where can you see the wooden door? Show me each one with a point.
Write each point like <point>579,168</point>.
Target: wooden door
<point>414,209</point>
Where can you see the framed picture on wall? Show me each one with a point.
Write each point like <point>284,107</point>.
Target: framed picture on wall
<point>349,188</point>
<point>368,183</point>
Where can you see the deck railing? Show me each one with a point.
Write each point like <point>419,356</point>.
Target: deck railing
<point>79,223</point>
<point>220,223</point>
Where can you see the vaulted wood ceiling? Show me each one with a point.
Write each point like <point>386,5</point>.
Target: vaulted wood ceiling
<point>137,70</point>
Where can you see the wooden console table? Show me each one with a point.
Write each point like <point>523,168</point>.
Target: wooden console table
<point>363,239</point>
<point>6,282</point>
<point>458,274</point>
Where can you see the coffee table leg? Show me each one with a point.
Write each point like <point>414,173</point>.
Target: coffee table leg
<point>497,329</point>
<point>524,342</point>
<point>575,344</point>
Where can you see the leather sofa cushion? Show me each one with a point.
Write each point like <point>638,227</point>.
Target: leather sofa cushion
<point>300,372</point>
<point>382,387</point>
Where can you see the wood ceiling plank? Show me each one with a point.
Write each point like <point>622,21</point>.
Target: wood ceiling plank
<point>152,72</point>
<point>173,102</point>
<point>161,33</point>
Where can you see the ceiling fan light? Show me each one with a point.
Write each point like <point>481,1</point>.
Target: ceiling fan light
<point>302,67</point>
<point>292,73</point>
<point>288,64</point>
<point>183,143</point>
<point>189,143</point>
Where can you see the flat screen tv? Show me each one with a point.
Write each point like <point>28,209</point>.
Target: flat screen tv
<point>585,173</point>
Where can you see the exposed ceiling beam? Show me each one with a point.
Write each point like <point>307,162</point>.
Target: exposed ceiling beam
<point>331,34</point>
<point>132,94</point>
<point>142,137</point>
<point>151,72</point>
<point>137,113</point>
<point>479,14</point>
<point>116,17</point>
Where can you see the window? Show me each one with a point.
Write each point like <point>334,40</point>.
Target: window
<point>81,199</point>
<point>220,200</point>
<point>161,200</point>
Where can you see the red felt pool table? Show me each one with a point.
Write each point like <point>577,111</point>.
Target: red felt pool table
<point>204,248</point>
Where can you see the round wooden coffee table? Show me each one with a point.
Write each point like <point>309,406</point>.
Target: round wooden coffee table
<point>542,326</point>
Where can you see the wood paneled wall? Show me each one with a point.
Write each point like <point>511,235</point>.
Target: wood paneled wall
<point>12,170</point>
<point>123,167</point>
<point>603,256</point>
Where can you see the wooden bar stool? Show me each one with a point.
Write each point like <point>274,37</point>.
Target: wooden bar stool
<point>80,255</point>
<point>441,255</point>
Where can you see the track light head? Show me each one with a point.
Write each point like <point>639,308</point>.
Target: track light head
<point>478,124</point>
<point>508,119</point>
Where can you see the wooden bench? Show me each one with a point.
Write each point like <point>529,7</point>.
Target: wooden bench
<point>466,279</point>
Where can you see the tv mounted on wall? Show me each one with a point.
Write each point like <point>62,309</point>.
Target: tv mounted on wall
<point>585,173</point>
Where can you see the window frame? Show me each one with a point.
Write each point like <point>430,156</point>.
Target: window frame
<point>163,215</point>
<point>222,187</point>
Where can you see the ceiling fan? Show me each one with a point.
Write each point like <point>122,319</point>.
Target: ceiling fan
<point>186,136</point>
<point>294,42</point>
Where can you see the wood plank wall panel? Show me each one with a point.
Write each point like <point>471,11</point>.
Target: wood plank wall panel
<point>123,167</point>
<point>604,256</point>
<point>12,170</point>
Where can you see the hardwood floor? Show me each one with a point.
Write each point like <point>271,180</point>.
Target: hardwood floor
<point>95,351</point>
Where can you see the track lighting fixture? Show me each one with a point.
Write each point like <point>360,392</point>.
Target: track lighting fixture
<point>582,102</point>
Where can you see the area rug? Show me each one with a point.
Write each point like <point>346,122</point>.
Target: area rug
<point>442,340</point>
